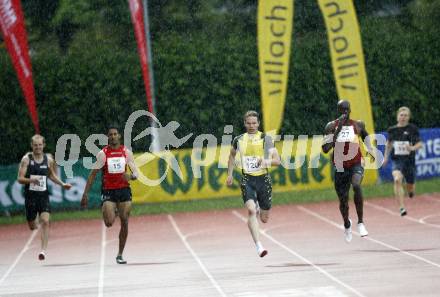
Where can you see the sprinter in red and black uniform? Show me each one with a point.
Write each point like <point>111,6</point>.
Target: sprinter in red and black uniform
<point>35,168</point>
<point>116,193</point>
<point>343,135</point>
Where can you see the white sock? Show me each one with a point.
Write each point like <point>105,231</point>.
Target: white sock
<point>259,245</point>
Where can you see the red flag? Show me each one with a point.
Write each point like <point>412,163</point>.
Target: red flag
<point>137,19</point>
<point>14,34</point>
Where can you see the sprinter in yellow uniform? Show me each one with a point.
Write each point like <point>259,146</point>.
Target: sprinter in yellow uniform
<point>257,153</point>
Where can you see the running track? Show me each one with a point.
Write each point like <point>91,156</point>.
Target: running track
<point>212,254</point>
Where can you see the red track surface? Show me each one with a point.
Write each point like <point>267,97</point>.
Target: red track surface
<point>212,254</point>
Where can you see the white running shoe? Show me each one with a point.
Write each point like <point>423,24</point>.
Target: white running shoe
<point>362,230</point>
<point>261,250</point>
<point>347,233</point>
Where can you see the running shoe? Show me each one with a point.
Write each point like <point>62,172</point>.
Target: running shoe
<point>348,234</point>
<point>41,256</point>
<point>411,194</point>
<point>362,230</point>
<point>403,212</point>
<point>120,260</point>
<point>261,252</point>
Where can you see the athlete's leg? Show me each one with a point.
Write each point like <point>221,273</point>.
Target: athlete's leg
<point>124,209</point>
<point>264,215</point>
<point>342,187</point>
<point>411,188</point>
<point>252,220</point>
<point>44,221</point>
<point>356,181</point>
<point>398,188</point>
<point>33,225</point>
<point>108,213</point>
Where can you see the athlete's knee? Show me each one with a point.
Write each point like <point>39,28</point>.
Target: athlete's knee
<point>356,187</point>
<point>398,178</point>
<point>108,223</point>
<point>33,226</point>
<point>343,203</point>
<point>264,219</point>
<point>252,211</point>
<point>44,222</point>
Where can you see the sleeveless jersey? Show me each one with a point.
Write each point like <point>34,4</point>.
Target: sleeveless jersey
<point>115,164</point>
<point>252,149</point>
<point>349,135</point>
<point>40,171</point>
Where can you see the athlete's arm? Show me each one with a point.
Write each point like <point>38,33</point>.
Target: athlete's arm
<point>100,160</point>
<point>388,147</point>
<point>22,172</point>
<point>130,162</point>
<point>52,173</point>
<point>364,136</point>
<point>416,146</point>
<point>329,139</point>
<point>231,161</point>
<point>273,156</point>
<point>418,142</point>
<point>273,160</point>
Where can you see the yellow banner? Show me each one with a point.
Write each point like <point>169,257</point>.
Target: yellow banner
<point>274,25</point>
<point>204,174</point>
<point>348,58</point>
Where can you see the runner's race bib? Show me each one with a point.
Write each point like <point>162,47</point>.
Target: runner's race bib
<point>346,134</point>
<point>116,165</point>
<point>250,164</point>
<point>401,148</point>
<point>42,183</point>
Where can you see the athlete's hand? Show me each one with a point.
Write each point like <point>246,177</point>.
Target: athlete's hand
<point>84,200</point>
<point>34,181</point>
<point>260,162</point>
<point>127,177</point>
<point>229,180</point>
<point>67,186</point>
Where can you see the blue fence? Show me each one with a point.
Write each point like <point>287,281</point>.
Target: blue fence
<point>427,158</point>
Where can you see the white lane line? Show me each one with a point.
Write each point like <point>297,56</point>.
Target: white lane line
<point>339,226</point>
<point>407,217</point>
<point>286,248</point>
<point>102,261</point>
<point>25,248</point>
<point>423,220</point>
<point>202,266</point>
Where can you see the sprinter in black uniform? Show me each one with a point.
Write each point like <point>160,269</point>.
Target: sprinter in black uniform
<point>35,168</point>
<point>403,141</point>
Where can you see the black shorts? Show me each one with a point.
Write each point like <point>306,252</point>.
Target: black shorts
<point>343,179</point>
<point>407,168</point>
<point>116,195</point>
<point>257,188</point>
<point>36,204</point>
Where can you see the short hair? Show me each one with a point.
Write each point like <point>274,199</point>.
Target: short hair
<point>404,108</point>
<point>251,113</point>
<point>113,126</point>
<point>37,137</point>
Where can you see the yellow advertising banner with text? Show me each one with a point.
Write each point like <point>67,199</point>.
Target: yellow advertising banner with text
<point>274,29</point>
<point>204,172</point>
